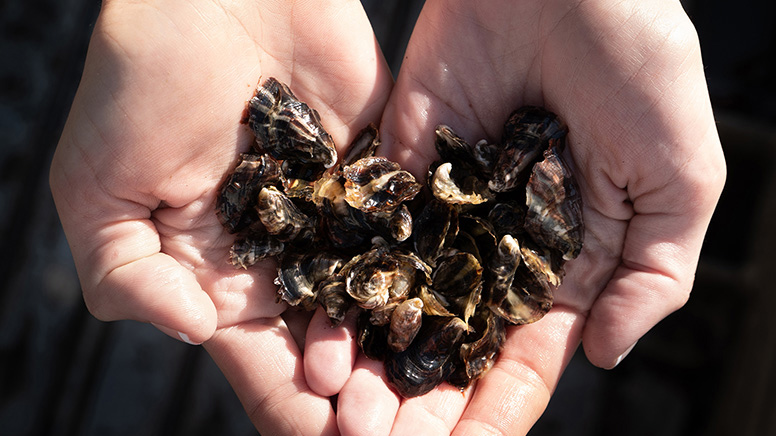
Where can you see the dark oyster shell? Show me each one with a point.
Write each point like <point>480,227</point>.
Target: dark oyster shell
<point>480,349</point>
<point>239,192</point>
<point>246,252</point>
<point>300,274</point>
<point>424,364</point>
<point>435,230</point>
<point>364,145</point>
<point>375,184</point>
<point>528,133</point>
<point>281,217</point>
<point>554,217</point>
<point>287,128</point>
<point>406,320</point>
<point>333,298</point>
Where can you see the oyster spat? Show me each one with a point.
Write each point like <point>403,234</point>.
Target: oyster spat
<point>333,298</point>
<point>435,230</point>
<point>460,178</point>
<point>377,185</point>
<point>554,216</point>
<point>249,250</point>
<point>239,192</point>
<point>479,349</point>
<point>300,274</point>
<point>381,275</point>
<point>287,128</point>
<point>364,145</point>
<point>480,158</point>
<point>461,188</point>
<point>406,320</point>
<point>528,132</point>
<point>281,217</point>
<point>427,361</point>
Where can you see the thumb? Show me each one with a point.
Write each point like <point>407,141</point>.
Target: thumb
<point>117,252</point>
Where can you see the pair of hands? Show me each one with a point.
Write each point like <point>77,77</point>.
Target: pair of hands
<point>154,129</point>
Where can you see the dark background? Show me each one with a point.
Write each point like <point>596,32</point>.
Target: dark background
<point>708,369</point>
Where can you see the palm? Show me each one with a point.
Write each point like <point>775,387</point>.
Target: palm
<point>617,109</point>
<point>153,131</point>
<point>635,138</point>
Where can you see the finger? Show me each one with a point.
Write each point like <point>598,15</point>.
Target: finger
<point>193,236</point>
<point>124,275</point>
<point>297,320</point>
<point>158,290</point>
<point>660,252</point>
<point>329,353</point>
<point>366,405</point>
<point>263,364</point>
<point>438,410</point>
<point>654,279</point>
<point>514,393</point>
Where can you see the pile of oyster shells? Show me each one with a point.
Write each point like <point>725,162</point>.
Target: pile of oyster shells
<point>485,248</point>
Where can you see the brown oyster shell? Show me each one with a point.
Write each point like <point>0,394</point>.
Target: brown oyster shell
<point>238,194</point>
<point>287,128</point>
<point>375,184</point>
<point>554,216</point>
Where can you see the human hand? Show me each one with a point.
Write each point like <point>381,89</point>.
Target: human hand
<point>627,78</point>
<point>153,131</point>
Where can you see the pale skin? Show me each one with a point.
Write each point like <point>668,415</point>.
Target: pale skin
<point>154,130</point>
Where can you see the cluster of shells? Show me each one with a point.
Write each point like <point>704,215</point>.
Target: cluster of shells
<point>486,247</point>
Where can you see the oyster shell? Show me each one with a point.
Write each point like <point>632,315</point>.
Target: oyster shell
<point>527,134</point>
<point>333,298</point>
<point>406,320</point>
<point>375,184</point>
<point>246,252</point>
<point>287,128</point>
<point>281,217</point>
<point>425,363</point>
<point>240,190</point>
<point>299,275</point>
<point>554,216</point>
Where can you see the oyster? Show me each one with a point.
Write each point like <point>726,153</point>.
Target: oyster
<point>300,274</point>
<point>240,190</point>
<point>287,128</point>
<point>554,216</point>
<point>424,364</point>
<point>281,217</point>
<point>375,184</point>
<point>528,132</point>
<point>406,320</point>
<point>248,251</point>
<point>333,298</point>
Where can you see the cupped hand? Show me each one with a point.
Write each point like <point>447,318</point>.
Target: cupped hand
<point>627,78</point>
<point>152,132</point>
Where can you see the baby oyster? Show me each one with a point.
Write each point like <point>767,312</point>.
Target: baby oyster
<point>287,128</point>
<point>554,216</point>
<point>406,320</point>
<point>375,184</point>
<point>426,362</point>
<point>527,134</point>
<point>240,190</point>
<point>281,217</point>
<point>299,276</point>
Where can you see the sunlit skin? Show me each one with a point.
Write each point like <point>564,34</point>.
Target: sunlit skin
<point>154,129</point>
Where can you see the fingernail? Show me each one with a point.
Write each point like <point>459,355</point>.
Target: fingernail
<point>624,355</point>
<point>185,338</point>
